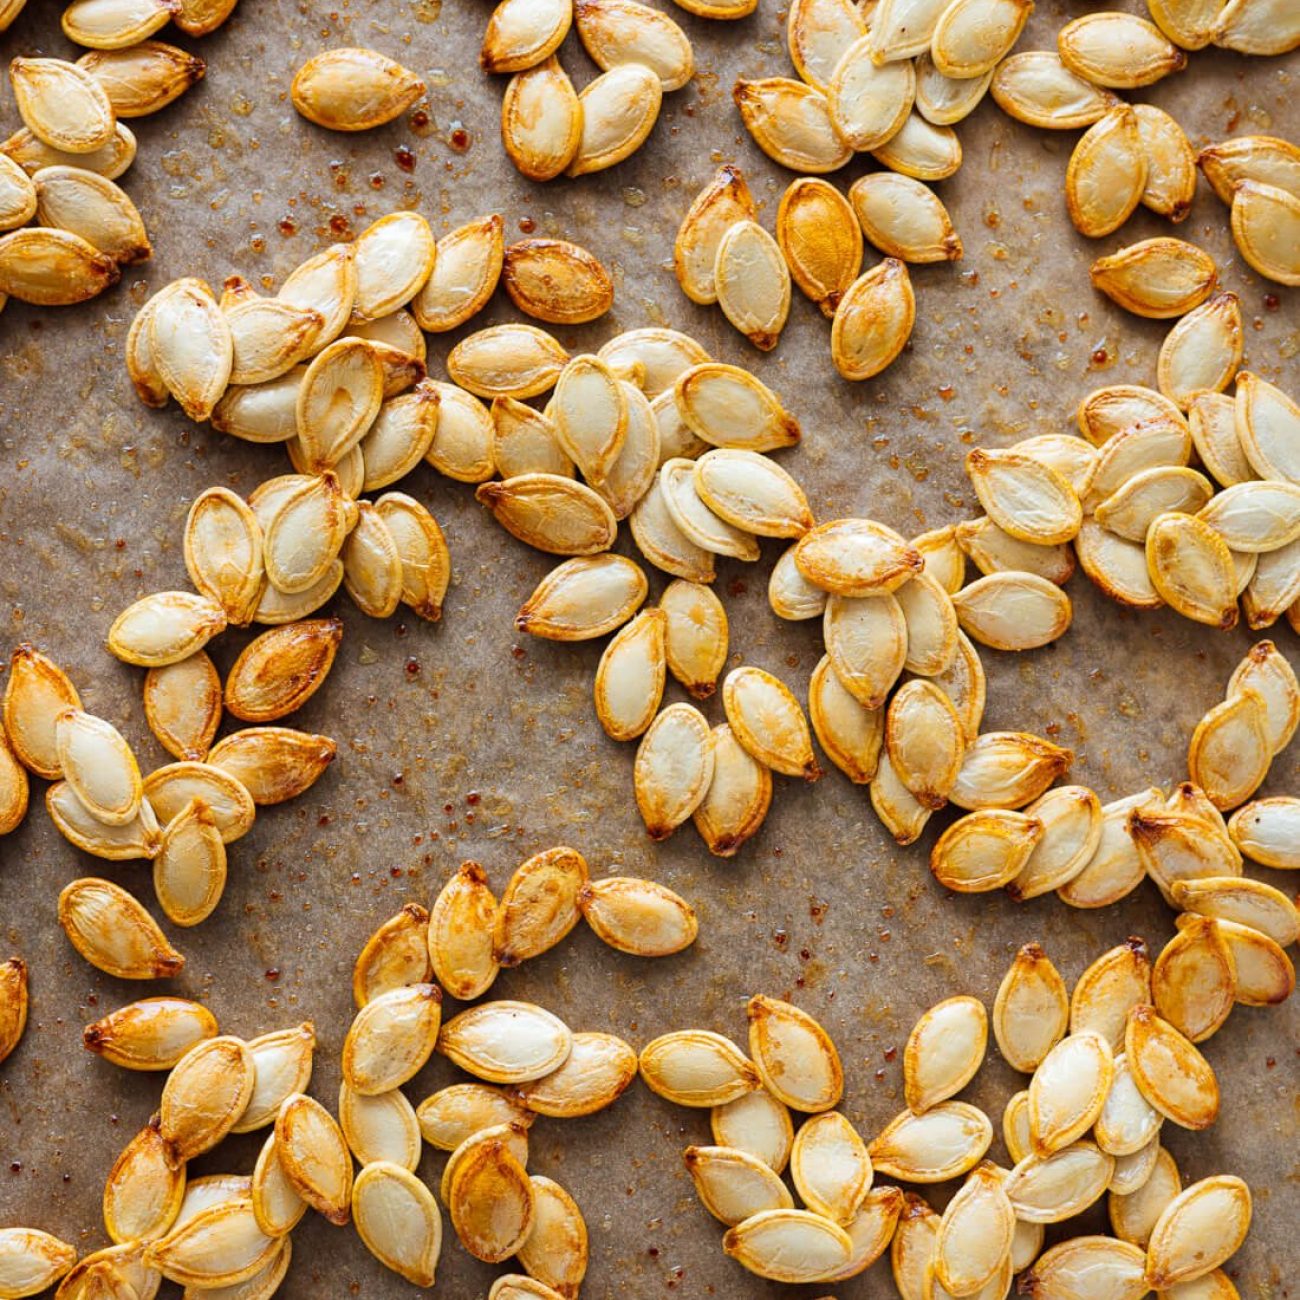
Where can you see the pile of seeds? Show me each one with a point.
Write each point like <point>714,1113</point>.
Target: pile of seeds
<point>723,255</point>
<point>59,170</point>
<point>548,127</point>
<point>181,816</point>
<point>1120,1072</point>
<point>525,1062</point>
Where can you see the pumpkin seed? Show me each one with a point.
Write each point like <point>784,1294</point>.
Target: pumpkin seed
<point>520,35</point>
<point>583,598</point>
<point>1175,846</point>
<point>1230,751</point>
<point>280,670</point>
<point>269,337</point>
<point>590,416</point>
<point>727,407</point>
<point>491,1202</point>
<point>1024,497</point>
<point>996,551</point>
<point>738,796</point>
<point>921,150</point>
<point>788,1245</point>
<point>873,321</point>
<point>1169,1071</point>
<point>165,628</point>
<point>975,1233</point>
<point>856,557</point>
<point>1200,1228</point>
<point>795,1057</point>
<point>830,1167</point>
<point>305,532</point>
<point>695,520</point>
<point>220,1246</point>
<point>790,594</point>
<point>191,346</point>
<point>695,636</point>
<point>1192,570</point>
<point>1144,446</point>
<point>539,906</point>
<point>619,110</point>
<point>1157,278</point>
<point>1013,611</point>
<point>114,933</point>
<point>725,200</point>
<point>757,1124</point>
<point>205,1096</point>
<point>630,678</point>
<point>1118,50</point>
<point>506,1042</point>
<point>912,1250</point>
<point>337,402</point>
<point>541,123</point>
<point>464,276</point>
<point>904,218</point>
<point>1072,827</point>
<point>870,1230</point>
<point>696,1067</point>
<point>1007,769</point>
<point>1249,903</point>
<point>557,281</point>
<point>1266,418</point>
<point>1127,1122</point>
<point>1265,159</point>
<point>1107,173</point>
<point>353,89</point>
<point>598,1070</point>
<point>1106,992</point>
<point>1068,1091</point>
<point>314,1155</point>
<point>223,552</point>
<point>1118,567</point>
<point>752,283</point>
<point>1052,1188</point>
<point>1129,510</point>
<point>515,1286</point>
<point>868,102</point>
<point>945,100</point>
<point>1171,164</point>
<point>256,412</point>
<point>398,1219</point>
<point>461,932</point>
<point>327,283</point>
<point>1031,1011</point>
<point>391,1038</point>
<point>1098,1265</point>
<point>31,153</point>
<point>925,739</point>
<point>462,444</point>
<point>969,40</point>
<point>212,1189</point>
<point>393,256</point>
<point>1036,88</point>
<point>821,240</point>
<point>556,1249</point>
<point>664,353</point>
<point>524,441</point>
<point>790,121</point>
<point>14,791</point>
<point>189,872</point>
<point>32,1261</point>
<point>93,208</point>
<point>903,814</point>
<point>1264,975</point>
<point>902,29</point>
<point>849,732</point>
<point>454,1114</point>
<point>372,565</point>
<point>1133,1171</point>
<point>734,1185</point>
<point>640,917</point>
<point>1133,1216</point>
<point>674,767</point>
<point>507,361</point>
<point>152,1034</point>
<point>768,722</point>
<point>1106,412</point>
<point>949,1140</point>
<point>944,1052</point>
<point>818,32</point>
<point>752,492</point>
<point>62,104</point>
<point>99,767</point>
<point>277,1207</point>
<point>1265,222</point>
<point>112,25</point>
<point>143,78</point>
<point>1262,831</point>
<point>282,1064</point>
<point>138,838</point>
<point>1071,457</point>
<point>618,32</point>
<point>663,543</point>
<point>273,764</point>
<point>143,1193</point>
<point>552,514</point>
<point>984,850</point>
<point>1267,671</point>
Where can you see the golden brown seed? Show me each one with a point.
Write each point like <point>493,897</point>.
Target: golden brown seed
<point>539,905</point>
<point>189,872</point>
<point>1198,1230</point>
<point>725,200</point>
<point>641,917</point>
<point>1192,570</point>
<point>873,321</point>
<point>32,1261</point>
<point>1157,278</point>
<point>904,218</point>
<point>1031,1011</point>
<point>597,1071</point>
<point>273,764</point>
<point>1118,50</point>
<point>92,207</point>
<point>461,930</point>
<point>205,1096</point>
<point>615,32</point>
<point>113,932</point>
<point>849,732</point>
<point>752,282</point>
<point>789,1245</point>
<point>820,238</point>
<point>143,78</point>
<point>398,1219</point>
<point>984,850</point>
<point>556,281</point>
<point>13,1004</point>
<point>769,722</point>
<point>1008,769</point>
<point>869,102</point>
<point>619,110</point>
<point>1265,224</point>
<point>1169,1071</point>
<point>695,636</point>
<point>38,691</point>
<point>465,273</point>
<point>737,799</point>
<point>277,1207</point>
<point>143,1192</point>
<point>391,1038</point>
<point>1230,750</point>
<point>223,552</point>
<point>1107,173</point>
<point>1035,87</point>
<point>674,768</point>
<point>794,1055</point>
<point>944,1052</point>
<point>972,37</point>
<point>491,1202</point>
<point>1171,164</point>
<point>541,122</point>
<point>696,1067</point>
<point>220,1246</point>
<point>1193,980</point>
<point>353,89</point>
<point>111,26</point>
<point>314,1156</point>
<point>279,671</point>
<point>165,628</point>
<point>734,1185</point>
<point>53,268</point>
<point>947,1141</point>
<point>1266,159</point>
<point>520,35</point>
<point>790,121</point>
<point>62,104</point>
<point>396,954</point>
<point>583,598</point>
<point>453,1114</point>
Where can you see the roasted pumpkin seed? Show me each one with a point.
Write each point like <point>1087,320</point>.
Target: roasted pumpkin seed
<point>353,89</point>
<point>391,1038</point>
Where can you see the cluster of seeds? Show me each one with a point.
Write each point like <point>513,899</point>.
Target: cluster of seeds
<point>524,1060</point>
<point>723,255</point>
<point>180,817</point>
<point>60,169</point>
<point>1135,155</point>
<point>1118,1072</point>
<point>1151,529</point>
<point>547,126</point>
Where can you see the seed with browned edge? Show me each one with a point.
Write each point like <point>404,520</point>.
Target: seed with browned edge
<point>205,1096</point>
<point>113,932</point>
<point>315,1156</point>
<point>391,1038</point>
<point>641,917</point>
<point>165,628</point>
<point>506,1042</point>
<point>598,1070</point>
<point>32,1261</point>
<point>13,1004</point>
<point>353,89</point>
<point>873,321</point>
